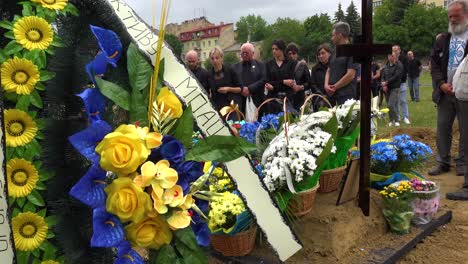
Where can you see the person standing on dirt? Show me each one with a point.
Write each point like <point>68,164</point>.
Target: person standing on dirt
<point>448,52</point>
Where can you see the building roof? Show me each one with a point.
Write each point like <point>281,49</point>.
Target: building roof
<point>202,33</point>
<point>237,46</point>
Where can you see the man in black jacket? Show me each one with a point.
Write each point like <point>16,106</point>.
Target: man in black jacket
<point>251,74</point>
<point>193,63</point>
<point>391,81</point>
<point>448,52</point>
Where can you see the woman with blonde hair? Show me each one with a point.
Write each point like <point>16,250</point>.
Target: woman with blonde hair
<point>225,85</point>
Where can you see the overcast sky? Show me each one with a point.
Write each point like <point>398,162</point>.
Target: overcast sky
<point>230,11</point>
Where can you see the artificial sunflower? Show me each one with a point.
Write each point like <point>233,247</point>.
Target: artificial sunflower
<point>22,177</point>
<point>52,4</point>
<point>33,32</point>
<point>19,75</point>
<point>20,128</point>
<point>29,231</point>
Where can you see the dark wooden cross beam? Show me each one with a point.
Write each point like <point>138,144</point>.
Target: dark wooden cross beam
<point>362,52</point>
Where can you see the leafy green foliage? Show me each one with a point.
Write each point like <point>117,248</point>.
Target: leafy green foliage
<point>318,30</point>
<point>339,14</point>
<point>252,28</point>
<point>353,19</point>
<point>220,148</point>
<point>115,93</point>
<point>139,73</point>
<point>412,26</point>
<point>287,29</point>
<point>175,43</point>
<point>184,129</point>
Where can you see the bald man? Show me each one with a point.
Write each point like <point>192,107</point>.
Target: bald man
<point>193,63</point>
<point>251,74</point>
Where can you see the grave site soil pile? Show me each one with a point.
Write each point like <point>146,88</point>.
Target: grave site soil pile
<point>341,234</point>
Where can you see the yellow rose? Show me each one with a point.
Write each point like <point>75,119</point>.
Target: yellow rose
<point>149,233</point>
<point>171,102</point>
<point>122,153</point>
<point>127,201</point>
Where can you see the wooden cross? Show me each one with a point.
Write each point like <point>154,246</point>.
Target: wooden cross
<point>362,52</point>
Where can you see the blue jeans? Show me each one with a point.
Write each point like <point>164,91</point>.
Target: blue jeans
<point>403,102</point>
<point>414,88</point>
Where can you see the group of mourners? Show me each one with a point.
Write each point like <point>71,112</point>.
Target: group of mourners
<point>284,76</point>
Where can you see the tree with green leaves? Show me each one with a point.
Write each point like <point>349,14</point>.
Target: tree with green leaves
<point>251,27</point>
<point>415,30</point>
<point>287,29</point>
<point>339,14</point>
<point>423,22</point>
<point>353,19</point>
<point>317,31</point>
<point>175,43</point>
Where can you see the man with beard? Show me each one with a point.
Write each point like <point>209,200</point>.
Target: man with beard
<point>448,52</point>
<point>193,63</point>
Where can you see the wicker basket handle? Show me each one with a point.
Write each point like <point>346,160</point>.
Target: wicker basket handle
<point>310,97</point>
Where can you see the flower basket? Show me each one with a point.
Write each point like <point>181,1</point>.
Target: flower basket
<point>239,244</point>
<point>303,202</point>
<point>330,179</point>
<point>425,206</point>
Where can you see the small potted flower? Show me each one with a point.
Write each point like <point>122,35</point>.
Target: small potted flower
<point>398,212</point>
<point>426,200</point>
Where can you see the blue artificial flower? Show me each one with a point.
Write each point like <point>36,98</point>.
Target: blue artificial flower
<point>109,43</point>
<point>188,171</point>
<point>249,130</point>
<point>172,150</point>
<point>98,66</point>
<point>86,140</point>
<point>90,188</point>
<point>270,121</point>
<point>94,102</point>
<point>107,229</point>
<point>126,255</point>
<point>199,226</point>
<point>259,168</point>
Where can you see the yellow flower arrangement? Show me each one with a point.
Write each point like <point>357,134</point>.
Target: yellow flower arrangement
<point>223,212</point>
<point>29,231</point>
<point>22,177</point>
<point>20,128</point>
<point>152,232</point>
<point>171,102</point>
<point>122,151</point>
<point>127,200</point>
<point>19,75</point>
<point>33,32</point>
<point>52,4</point>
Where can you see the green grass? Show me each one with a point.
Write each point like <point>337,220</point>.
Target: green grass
<point>421,114</point>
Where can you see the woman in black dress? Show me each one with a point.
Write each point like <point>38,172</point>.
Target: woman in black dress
<point>225,85</point>
<point>280,76</point>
